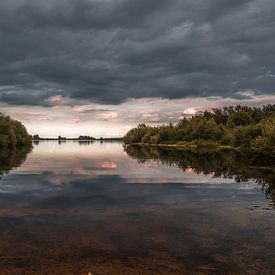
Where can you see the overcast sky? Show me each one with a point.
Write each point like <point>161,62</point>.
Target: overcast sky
<point>99,67</point>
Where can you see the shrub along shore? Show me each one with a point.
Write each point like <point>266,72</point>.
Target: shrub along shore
<point>235,127</point>
<point>13,133</point>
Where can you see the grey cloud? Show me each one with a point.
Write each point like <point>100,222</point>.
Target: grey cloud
<point>108,51</point>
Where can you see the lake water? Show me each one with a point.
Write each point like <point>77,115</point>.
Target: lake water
<point>75,208</point>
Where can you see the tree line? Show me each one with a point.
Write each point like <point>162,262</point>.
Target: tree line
<point>13,133</point>
<point>241,127</point>
<point>89,138</point>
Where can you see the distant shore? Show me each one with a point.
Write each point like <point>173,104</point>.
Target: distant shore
<point>77,139</point>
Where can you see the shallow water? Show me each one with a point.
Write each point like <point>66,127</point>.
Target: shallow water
<point>74,208</point>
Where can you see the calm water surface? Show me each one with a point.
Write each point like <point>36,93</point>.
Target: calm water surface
<point>74,208</point>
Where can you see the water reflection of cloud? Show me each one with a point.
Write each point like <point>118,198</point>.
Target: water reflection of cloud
<point>28,191</point>
<point>101,159</point>
<point>96,190</point>
<point>52,167</point>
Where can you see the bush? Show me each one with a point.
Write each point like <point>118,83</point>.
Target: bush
<point>13,133</point>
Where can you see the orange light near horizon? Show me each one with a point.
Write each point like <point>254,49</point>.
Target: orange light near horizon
<point>109,165</point>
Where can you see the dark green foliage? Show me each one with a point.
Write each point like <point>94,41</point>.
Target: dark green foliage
<point>13,133</point>
<point>241,127</point>
<point>86,138</point>
<point>35,137</point>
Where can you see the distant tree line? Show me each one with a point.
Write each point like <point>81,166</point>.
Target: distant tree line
<point>13,133</point>
<point>37,137</point>
<point>240,127</point>
<point>86,138</point>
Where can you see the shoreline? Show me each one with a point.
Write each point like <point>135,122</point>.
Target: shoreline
<point>75,139</point>
<point>204,147</point>
<point>185,147</point>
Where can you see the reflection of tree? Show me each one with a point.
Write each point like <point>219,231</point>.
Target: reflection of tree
<point>12,157</point>
<point>85,142</point>
<point>228,164</point>
<point>61,141</point>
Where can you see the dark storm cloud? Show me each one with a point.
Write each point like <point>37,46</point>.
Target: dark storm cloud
<point>107,51</point>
